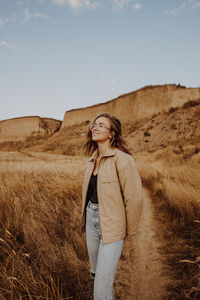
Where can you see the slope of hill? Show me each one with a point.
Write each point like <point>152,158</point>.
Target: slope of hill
<point>67,141</point>
<point>17,129</point>
<point>176,127</point>
<point>136,105</point>
<point>23,132</point>
<point>149,122</point>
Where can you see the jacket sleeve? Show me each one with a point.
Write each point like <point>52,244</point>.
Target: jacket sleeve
<point>131,187</point>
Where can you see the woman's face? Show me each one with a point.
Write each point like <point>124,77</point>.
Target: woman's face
<point>101,130</point>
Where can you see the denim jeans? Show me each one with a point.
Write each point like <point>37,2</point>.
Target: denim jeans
<point>103,258</point>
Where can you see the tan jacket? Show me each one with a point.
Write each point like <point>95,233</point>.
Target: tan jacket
<point>119,192</point>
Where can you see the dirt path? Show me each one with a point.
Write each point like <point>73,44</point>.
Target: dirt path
<point>141,273</point>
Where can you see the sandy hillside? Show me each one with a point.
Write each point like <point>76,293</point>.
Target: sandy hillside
<point>136,105</point>
<point>19,129</point>
<point>144,113</point>
<point>176,128</point>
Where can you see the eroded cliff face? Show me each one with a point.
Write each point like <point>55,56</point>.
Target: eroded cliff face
<point>18,129</point>
<point>129,107</point>
<point>136,105</point>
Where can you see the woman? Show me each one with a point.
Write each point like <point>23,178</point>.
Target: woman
<point>111,200</point>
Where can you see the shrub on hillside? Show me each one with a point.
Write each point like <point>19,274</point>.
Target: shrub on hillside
<point>191,152</point>
<point>191,103</point>
<point>172,109</point>
<point>146,133</point>
<point>173,126</point>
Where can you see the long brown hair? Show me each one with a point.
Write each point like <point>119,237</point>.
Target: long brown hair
<point>117,140</point>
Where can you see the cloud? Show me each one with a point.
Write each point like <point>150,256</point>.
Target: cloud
<point>183,6</point>
<point>172,11</point>
<point>12,46</point>
<point>8,45</point>
<point>28,16</point>
<point>120,4</point>
<point>176,10</point>
<point>77,4</point>
<point>1,22</point>
<point>10,19</point>
<point>42,16</point>
<point>137,6</point>
<point>60,2</point>
<point>117,5</point>
<point>196,5</point>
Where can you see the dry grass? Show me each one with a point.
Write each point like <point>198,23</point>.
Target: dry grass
<point>43,254</point>
<point>174,186</point>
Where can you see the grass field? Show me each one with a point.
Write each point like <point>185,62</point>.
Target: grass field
<point>43,254</point>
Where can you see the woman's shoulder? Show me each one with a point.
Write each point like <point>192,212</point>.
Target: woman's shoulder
<point>123,158</point>
<point>122,154</point>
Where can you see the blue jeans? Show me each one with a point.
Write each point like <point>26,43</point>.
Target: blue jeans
<point>103,258</point>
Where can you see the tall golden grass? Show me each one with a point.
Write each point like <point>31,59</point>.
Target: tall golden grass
<point>43,255</point>
<point>42,252</point>
<point>174,187</point>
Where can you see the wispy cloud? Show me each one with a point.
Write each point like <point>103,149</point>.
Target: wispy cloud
<point>7,44</point>
<point>28,15</point>
<point>177,10</point>
<point>78,4</point>
<point>13,46</point>
<point>1,22</point>
<point>10,19</point>
<point>137,6</point>
<point>60,2</point>
<point>20,2</point>
<point>182,7</point>
<point>196,5</point>
<point>113,84</point>
<point>120,4</point>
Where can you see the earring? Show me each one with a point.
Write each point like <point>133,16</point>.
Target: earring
<point>112,140</point>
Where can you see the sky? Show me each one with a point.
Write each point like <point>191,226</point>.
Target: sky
<point>58,55</point>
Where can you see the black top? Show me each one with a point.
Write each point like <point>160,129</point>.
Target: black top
<point>92,190</point>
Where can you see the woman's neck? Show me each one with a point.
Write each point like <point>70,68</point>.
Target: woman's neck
<point>102,147</point>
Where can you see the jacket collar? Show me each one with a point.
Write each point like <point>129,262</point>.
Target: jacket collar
<point>109,152</point>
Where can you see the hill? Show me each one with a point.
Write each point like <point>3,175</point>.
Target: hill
<point>176,128</point>
<point>25,131</point>
<point>136,105</point>
<point>152,117</point>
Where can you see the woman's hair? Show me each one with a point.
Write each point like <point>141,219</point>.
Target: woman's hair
<point>117,140</point>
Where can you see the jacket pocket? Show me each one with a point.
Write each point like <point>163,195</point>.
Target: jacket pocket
<point>108,179</point>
